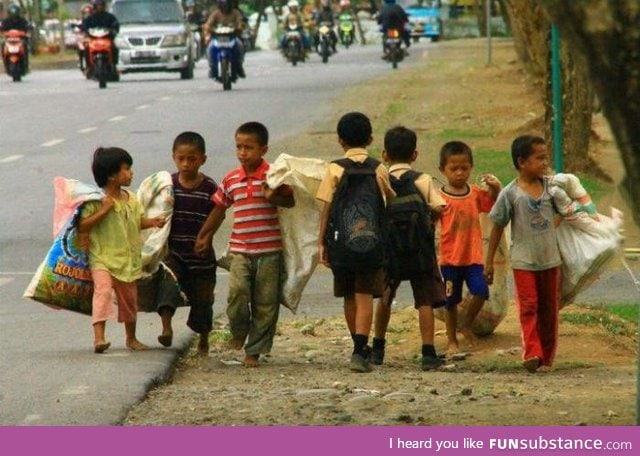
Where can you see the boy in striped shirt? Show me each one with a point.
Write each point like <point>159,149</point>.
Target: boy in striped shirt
<point>255,244</point>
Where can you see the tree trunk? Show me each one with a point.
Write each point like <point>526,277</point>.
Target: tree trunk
<point>607,34</point>
<point>530,28</point>
<point>479,10</point>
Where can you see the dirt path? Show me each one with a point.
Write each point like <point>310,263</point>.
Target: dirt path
<point>452,95</point>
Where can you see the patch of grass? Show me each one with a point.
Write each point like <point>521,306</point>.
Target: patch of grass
<point>628,312</point>
<point>451,134</point>
<point>601,318</point>
<point>595,187</point>
<point>218,336</point>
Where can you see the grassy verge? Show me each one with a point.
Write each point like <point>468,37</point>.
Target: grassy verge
<point>616,319</point>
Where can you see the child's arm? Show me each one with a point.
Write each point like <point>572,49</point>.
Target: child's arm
<point>155,222</point>
<point>87,223</point>
<point>208,229</point>
<point>494,240</point>
<point>281,196</point>
<point>324,218</point>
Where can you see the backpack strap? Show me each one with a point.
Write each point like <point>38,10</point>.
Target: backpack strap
<point>347,163</point>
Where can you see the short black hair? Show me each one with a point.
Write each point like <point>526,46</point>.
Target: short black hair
<point>400,143</point>
<point>522,147</point>
<point>107,161</point>
<point>190,138</point>
<point>452,148</point>
<point>255,129</point>
<point>354,129</point>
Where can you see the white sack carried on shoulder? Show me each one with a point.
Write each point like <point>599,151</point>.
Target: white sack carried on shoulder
<point>156,197</point>
<point>299,224</point>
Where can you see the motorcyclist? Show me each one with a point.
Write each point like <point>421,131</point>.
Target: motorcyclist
<point>346,15</point>
<point>15,21</point>
<point>101,18</point>
<point>393,16</point>
<point>226,16</point>
<point>325,15</point>
<point>85,12</point>
<point>195,20</point>
<point>294,17</point>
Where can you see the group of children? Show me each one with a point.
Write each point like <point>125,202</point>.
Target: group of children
<point>256,245</point>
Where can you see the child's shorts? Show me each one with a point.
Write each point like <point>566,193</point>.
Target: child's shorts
<point>456,276</point>
<point>370,282</point>
<point>428,289</point>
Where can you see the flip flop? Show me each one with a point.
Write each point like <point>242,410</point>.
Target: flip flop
<point>101,348</point>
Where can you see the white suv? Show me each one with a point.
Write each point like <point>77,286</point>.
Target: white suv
<point>154,36</point>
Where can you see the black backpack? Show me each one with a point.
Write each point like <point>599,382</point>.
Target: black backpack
<point>411,233</point>
<point>356,238</point>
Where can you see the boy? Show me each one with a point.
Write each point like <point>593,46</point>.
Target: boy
<point>461,256</point>
<point>426,282</point>
<point>196,274</point>
<point>358,287</point>
<point>535,258</point>
<point>255,245</point>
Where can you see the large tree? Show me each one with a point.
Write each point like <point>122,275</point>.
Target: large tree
<point>606,33</point>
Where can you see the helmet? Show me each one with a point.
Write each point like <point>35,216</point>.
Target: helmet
<point>86,9</point>
<point>13,10</point>
<point>390,2</point>
<point>293,4</point>
<point>98,2</point>
<point>345,3</point>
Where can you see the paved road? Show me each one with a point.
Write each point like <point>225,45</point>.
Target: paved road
<point>51,123</point>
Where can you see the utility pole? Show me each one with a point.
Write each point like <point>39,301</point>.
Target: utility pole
<point>556,96</point>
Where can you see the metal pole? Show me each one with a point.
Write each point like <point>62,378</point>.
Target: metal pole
<point>488,21</point>
<point>556,91</point>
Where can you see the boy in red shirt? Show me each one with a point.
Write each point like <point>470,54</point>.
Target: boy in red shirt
<point>461,256</point>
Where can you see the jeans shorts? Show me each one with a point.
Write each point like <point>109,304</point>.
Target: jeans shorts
<point>456,276</point>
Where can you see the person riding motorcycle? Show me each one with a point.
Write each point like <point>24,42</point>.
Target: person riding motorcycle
<point>347,16</point>
<point>85,12</point>
<point>325,15</point>
<point>101,18</point>
<point>294,17</point>
<point>224,16</point>
<point>393,16</point>
<point>15,21</point>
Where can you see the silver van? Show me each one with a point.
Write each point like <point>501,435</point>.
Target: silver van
<point>154,36</point>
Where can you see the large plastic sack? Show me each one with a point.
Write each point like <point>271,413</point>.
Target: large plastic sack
<point>496,307</point>
<point>156,198</point>
<point>587,240</point>
<point>300,223</point>
<point>63,279</point>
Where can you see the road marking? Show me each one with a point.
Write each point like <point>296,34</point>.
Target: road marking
<point>165,98</point>
<point>141,107</point>
<point>11,158</point>
<point>31,418</point>
<point>117,118</point>
<point>87,130</point>
<point>75,390</point>
<point>5,281</point>
<point>52,143</point>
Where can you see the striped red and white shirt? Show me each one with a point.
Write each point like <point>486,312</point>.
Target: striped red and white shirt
<point>256,229</point>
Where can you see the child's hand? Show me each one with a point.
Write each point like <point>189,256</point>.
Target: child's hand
<point>158,222</point>
<point>492,181</point>
<point>488,274</point>
<point>322,255</point>
<point>201,246</point>
<point>268,191</point>
<point>107,203</point>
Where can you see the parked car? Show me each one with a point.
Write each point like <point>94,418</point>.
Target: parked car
<point>154,36</point>
<point>424,20</point>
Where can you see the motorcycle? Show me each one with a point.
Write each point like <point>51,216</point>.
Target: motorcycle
<point>293,48</point>
<point>100,65</point>
<point>224,41</point>
<point>346,30</point>
<point>14,53</point>
<point>324,44</point>
<point>393,51</point>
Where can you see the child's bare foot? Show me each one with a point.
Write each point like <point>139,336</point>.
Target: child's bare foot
<point>235,344</point>
<point>166,338</point>
<point>136,345</point>
<point>453,348</point>
<point>101,347</point>
<point>251,360</point>
<point>469,337</point>
<point>203,345</point>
